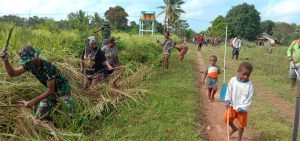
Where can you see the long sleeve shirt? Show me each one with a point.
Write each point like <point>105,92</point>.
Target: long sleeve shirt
<point>294,51</point>
<point>237,43</point>
<point>239,93</point>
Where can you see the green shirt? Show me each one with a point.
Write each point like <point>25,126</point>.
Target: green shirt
<point>46,72</point>
<point>294,51</point>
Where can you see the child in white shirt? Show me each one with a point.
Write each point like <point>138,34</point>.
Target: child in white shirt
<point>238,98</point>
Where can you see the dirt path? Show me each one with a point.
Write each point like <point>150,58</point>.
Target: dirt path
<point>216,129</point>
<point>285,108</point>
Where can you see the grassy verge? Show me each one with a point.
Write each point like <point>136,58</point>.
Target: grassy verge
<point>271,74</point>
<point>166,113</point>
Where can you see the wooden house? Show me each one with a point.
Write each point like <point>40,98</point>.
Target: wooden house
<point>266,40</point>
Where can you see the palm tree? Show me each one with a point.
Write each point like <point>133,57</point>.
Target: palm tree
<point>172,11</point>
<point>180,25</point>
<point>96,20</point>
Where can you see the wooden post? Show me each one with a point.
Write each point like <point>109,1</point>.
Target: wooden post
<point>296,120</point>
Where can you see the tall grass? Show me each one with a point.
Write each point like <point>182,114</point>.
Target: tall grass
<point>137,54</point>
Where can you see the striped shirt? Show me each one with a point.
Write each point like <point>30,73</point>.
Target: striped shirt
<point>212,71</point>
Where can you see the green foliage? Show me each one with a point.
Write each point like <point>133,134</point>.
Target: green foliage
<point>14,19</point>
<point>285,32</point>
<point>218,28</point>
<point>168,112</point>
<point>267,26</point>
<point>138,49</point>
<point>62,49</point>
<point>96,20</point>
<point>79,20</point>
<point>117,16</point>
<point>244,19</point>
<point>133,28</point>
<point>159,28</point>
<point>172,10</point>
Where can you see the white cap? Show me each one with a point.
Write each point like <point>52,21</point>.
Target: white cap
<point>92,39</point>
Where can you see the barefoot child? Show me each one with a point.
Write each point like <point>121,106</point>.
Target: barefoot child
<point>238,99</point>
<point>182,48</point>
<point>211,77</point>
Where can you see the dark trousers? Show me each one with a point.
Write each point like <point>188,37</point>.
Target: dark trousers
<point>235,52</point>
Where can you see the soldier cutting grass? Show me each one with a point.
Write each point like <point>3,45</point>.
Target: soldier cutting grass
<point>58,88</point>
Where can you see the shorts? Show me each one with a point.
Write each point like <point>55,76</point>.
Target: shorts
<point>183,51</point>
<point>241,117</point>
<point>292,72</point>
<point>211,83</point>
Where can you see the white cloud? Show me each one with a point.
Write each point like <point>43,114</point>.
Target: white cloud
<point>199,13</point>
<point>285,10</point>
<point>197,8</point>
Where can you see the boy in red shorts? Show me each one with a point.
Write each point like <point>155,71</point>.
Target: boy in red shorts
<point>238,99</point>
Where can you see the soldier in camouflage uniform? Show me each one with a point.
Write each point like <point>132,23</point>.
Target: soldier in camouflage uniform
<point>58,88</point>
<point>105,32</point>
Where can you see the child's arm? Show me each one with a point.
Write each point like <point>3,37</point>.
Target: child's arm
<point>204,78</point>
<point>205,74</point>
<point>228,96</point>
<point>244,106</point>
<point>221,71</point>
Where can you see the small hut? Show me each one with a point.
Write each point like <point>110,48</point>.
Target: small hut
<point>266,40</point>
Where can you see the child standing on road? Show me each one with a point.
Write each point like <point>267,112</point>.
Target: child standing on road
<point>238,99</point>
<point>211,77</point>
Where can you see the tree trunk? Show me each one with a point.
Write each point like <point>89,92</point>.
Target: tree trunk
<point>171,24</point>
<point>165,23</point>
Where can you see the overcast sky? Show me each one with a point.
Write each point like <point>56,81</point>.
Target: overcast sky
<point>199,13</point>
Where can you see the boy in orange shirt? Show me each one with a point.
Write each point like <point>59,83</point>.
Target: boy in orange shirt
<point>212,72</point>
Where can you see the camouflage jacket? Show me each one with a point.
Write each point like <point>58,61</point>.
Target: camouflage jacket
<point>48,71</point>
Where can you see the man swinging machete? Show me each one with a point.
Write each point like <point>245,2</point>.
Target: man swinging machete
<point>58,87</point>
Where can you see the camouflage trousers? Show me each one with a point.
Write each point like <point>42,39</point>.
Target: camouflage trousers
<point>104,39</point>
<point>46,105</point>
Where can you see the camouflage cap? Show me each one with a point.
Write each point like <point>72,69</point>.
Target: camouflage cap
<point>27,54</point>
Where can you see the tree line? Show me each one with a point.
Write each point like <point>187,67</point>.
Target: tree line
<point>245,20</point>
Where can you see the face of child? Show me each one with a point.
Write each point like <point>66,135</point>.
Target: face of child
<point>213,61</point>
<point>244,74</point>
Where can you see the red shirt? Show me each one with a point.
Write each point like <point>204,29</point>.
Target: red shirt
<point>200,39</point>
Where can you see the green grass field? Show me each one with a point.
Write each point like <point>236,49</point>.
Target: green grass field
<point>167,112</point>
